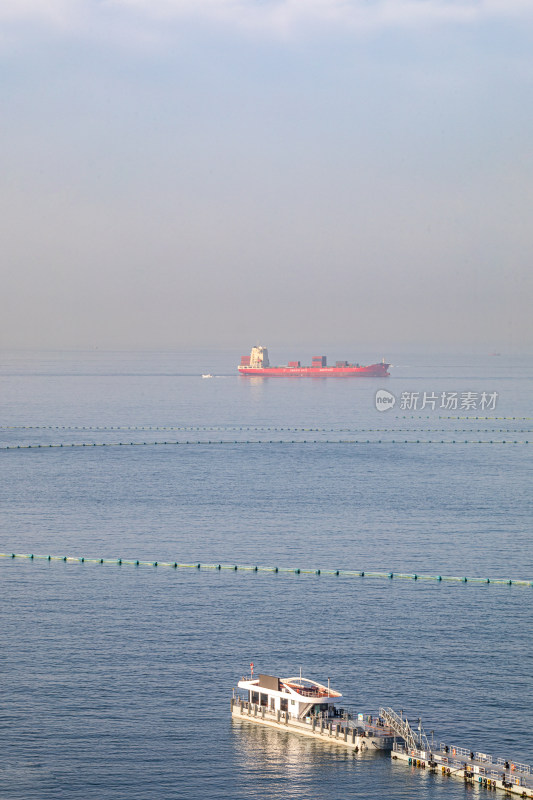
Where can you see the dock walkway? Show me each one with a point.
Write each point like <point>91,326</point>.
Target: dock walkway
<point>509,776</point>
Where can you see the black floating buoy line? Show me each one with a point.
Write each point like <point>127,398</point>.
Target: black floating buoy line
<point>263,442</point>
<point>345,573</point>
<point>262,429</point>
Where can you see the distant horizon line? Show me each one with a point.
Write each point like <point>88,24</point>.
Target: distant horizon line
<point>427,348</point>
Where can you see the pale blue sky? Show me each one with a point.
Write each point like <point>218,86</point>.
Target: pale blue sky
<point>179,173</point>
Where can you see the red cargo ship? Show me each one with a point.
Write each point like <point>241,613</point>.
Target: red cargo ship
<point>257,364</point>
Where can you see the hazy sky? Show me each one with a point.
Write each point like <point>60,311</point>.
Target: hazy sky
<point>188,172</point>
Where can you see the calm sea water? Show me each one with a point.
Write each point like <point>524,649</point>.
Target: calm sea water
<point>116,680</point>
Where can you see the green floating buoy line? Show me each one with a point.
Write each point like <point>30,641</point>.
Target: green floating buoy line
<point>346,573</point>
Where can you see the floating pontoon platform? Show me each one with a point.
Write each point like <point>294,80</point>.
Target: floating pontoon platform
<point>457,762</point>
<point>306,707</point>
<point>473,768</point>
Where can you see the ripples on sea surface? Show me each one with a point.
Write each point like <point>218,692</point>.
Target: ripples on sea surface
<point>116,680</point>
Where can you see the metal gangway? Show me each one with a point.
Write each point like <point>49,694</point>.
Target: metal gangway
<point>402,728</point>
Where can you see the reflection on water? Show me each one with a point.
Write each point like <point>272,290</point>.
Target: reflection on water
<point>277,764</point>
<point>257,387</point>
<point>294,765</point>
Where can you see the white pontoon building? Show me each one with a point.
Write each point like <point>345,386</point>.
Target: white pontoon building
<point>300,697</point>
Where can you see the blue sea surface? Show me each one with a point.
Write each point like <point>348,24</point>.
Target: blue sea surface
<point>116,680</point>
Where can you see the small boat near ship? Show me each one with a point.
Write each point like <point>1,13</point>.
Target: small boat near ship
<point>257,364</point>
<point>309,708</point>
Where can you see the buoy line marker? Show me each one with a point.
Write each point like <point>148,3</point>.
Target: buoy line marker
<point>256,568</point>
<point>70,445</point>
<point>257,429</point>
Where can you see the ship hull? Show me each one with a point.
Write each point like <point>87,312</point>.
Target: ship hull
<point>372,371</point>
